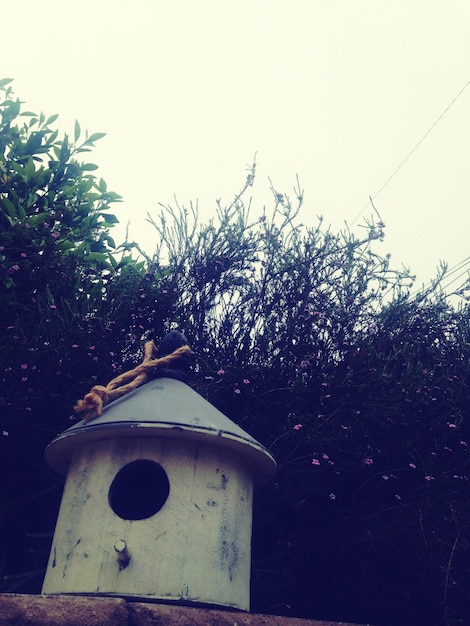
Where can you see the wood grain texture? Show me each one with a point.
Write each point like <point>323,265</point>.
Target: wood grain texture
<point>196,548</point>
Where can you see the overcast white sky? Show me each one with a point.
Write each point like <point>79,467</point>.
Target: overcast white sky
<point>336,91</point>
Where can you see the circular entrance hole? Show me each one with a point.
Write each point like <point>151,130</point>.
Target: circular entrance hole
<point>139,490</point>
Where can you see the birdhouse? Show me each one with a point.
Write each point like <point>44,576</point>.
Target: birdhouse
<point>157,503</point>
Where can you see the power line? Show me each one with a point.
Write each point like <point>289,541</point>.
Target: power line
<point>430,129</point>
<point>462,264</point>
<point>463,267</point>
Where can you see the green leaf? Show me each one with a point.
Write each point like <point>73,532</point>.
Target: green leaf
<point>97,256</point>
<point>65,150</point>
<point>16,167</point>
<point>77,130</point>
<point>97,246</point>
<point>114,197</point>
<point>12,110</point>
<point>30,169</point>
<point>21,212</point>
<point>9,206</point>
<point>34,142</point>
<point>95,137</point>
<point>111,219</point>
<point>65,244</point>
<point>5,81</point>
<point>52,119</point>
<point>89,167</point>
<point>37,220</point>
<point>52,137</point>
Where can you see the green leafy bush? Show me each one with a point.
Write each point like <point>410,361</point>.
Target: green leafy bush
<point>58,333</point>
<point>313,343</point>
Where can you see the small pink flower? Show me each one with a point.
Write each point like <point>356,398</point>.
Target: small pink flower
<point>429,478</point>
<point>412,465</point>
<point>451,425</point>
<point>368,461</point>
<point>315,462</point>
<point>221,372</point>
<point>24,379</point>
<point>5,433</point>
<point>53,307</point>
<point>24,366</point>
<point>246,381</point>
<point>332,496</point>
<point>297,426</point>
<point>463,443</point>
<point>237,391</point>
<point>325,457</point>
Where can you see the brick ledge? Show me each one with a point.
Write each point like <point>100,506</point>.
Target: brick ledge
<point>61,610</point>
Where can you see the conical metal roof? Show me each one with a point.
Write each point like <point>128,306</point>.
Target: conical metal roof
<point>163,407</point>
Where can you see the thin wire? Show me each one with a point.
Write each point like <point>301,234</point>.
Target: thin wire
<point>464,269</point>
<point>445,283</point>
<point>430,129</point>
<point>446,286</point>
<point>458,266</point>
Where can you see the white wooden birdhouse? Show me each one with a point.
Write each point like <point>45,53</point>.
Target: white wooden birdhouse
<point>157,502</point>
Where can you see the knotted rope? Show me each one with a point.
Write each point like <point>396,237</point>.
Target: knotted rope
<point>92,404</point>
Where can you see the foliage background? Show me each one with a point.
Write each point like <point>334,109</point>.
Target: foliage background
<point>308,339</point>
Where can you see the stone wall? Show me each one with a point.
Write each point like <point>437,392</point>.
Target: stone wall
<point>36,610</point>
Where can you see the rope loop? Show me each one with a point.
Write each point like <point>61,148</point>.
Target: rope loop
<point>98,397</point>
